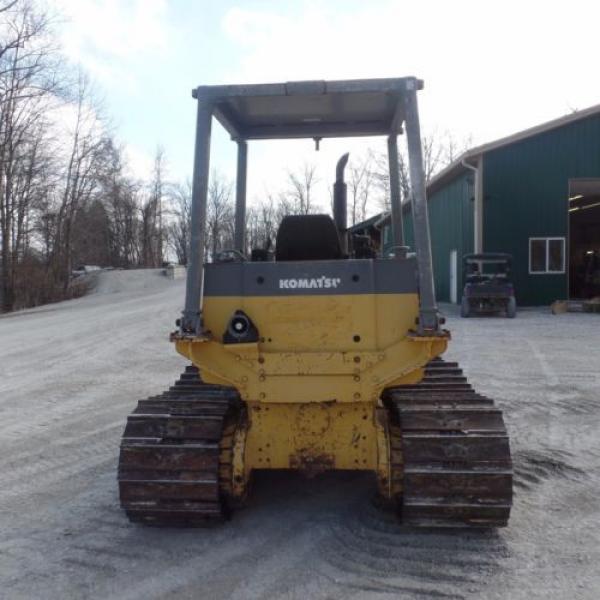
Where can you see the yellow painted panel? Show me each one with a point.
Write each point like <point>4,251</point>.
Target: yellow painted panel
<point>311,437</point>
<point>307,359</point>
<point>317,323</point>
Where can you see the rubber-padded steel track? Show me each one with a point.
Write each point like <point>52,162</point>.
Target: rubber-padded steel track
<point>456,468</point>
<point>172,454</point>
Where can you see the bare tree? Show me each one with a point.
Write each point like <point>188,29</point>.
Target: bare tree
<point>434,154</point>
<point>119,196</point>
<point>6,6</point>
<point>28,77</point>
<point>91,235</point>
<point>439,150</point>
<point>455,147</point>
<point>360,187</point>
<point>381,178</point>
<point>220,215</point>
<point>301,186</point>
<point>181,210</point>
<point>64,192</point>
<point>152,215</point>
<point>263,220</point>
<point>80,176</point>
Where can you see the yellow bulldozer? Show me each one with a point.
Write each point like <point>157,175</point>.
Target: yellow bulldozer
<point>321,355</point>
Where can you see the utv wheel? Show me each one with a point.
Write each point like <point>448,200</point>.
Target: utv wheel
<point>464,308</point>
<point>511,308</point>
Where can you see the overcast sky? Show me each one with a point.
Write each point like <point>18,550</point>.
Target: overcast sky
<point>490,67</point>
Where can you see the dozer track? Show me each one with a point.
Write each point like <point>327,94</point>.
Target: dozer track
<point>174,450</point>
<point>450,453</point>
<point>455,464</point>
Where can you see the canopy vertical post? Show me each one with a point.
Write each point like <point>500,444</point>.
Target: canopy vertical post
<point>395,198</point>
<point>240,196</point>
<point>428,313</point>
<point>191,322</point>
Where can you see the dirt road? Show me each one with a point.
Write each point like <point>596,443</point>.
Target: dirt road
<point>71,372</point>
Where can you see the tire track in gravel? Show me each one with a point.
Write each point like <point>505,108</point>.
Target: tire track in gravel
<point>63,444</point>
<point>63,346</point>
<point>371,551</point>
<point>533,467</point>
<point>66,407</point>
<point>57,431</point>
<point>94,353</point>
<point>64,392</point>
<point>50,470</point>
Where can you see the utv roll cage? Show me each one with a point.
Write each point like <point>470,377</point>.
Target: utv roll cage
<point>498,265</point>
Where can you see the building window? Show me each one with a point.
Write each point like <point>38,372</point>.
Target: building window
<point>546,255</point>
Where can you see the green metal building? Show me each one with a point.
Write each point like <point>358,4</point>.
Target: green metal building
<point>535,195</point>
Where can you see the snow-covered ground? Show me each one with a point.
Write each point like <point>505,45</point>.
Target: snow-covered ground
<point>71,372</point>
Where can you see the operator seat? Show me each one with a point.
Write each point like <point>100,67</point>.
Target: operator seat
<point>308,237</point>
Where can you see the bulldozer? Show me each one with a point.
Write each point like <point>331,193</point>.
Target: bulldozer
<point>322,355</point>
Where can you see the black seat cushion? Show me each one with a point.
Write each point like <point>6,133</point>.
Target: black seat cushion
<point>307,237</point>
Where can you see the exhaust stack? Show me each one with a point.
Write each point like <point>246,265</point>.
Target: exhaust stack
<point>340,202</point>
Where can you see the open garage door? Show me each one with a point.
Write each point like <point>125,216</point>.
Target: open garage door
<point>584,238</point>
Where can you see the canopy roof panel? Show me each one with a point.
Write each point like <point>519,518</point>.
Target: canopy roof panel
<point>359,107</point>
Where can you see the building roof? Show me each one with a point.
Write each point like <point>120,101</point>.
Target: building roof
<point>374,221</point>
<point>471,155</point>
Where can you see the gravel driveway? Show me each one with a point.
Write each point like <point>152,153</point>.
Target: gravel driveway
<point>71,372</point>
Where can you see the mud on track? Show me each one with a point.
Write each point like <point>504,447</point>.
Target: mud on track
<point>71,372</point>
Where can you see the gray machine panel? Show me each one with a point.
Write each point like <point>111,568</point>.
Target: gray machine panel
<point>378,276</point>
